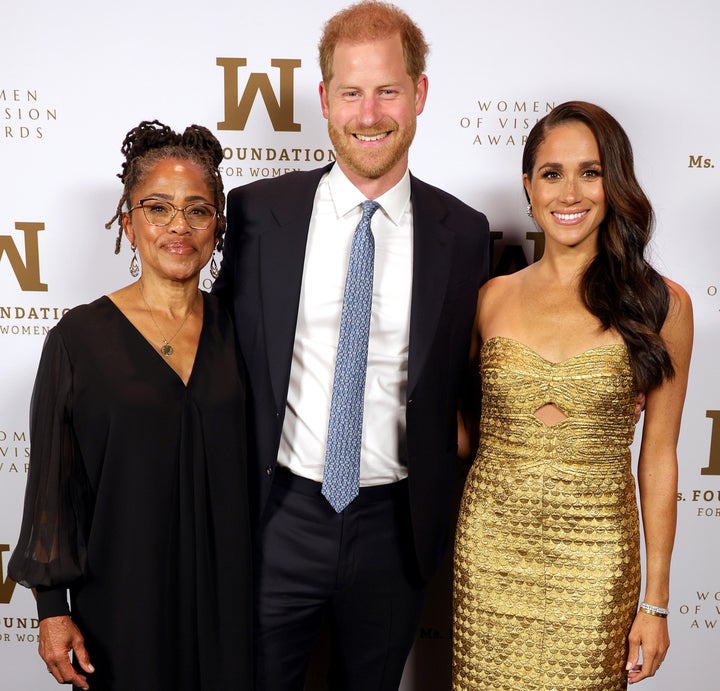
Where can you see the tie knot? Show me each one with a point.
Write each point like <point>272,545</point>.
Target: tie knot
<point>369,208</point>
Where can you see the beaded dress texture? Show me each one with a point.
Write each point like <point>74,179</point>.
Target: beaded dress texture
<point>547,567</point>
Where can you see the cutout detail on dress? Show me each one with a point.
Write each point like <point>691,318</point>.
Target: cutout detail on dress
<point>550,415</point>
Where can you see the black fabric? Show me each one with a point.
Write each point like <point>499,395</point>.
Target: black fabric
<point>137,503</point>
<point>355,567</point>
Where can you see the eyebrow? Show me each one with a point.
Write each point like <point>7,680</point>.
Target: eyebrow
<point>169,197</point>
<point>395,84</point>
<point>582,164</point>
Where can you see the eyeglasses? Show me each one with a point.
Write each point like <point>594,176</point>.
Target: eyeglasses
<point>198,215</point>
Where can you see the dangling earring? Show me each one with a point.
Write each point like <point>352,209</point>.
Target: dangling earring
<point>528,211</point>
<point>134,263</point>
<point>214,271</point>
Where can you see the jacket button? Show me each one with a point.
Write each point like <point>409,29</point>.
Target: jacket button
<point>269,470</point>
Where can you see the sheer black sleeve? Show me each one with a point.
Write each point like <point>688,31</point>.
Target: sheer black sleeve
<point>51,550</point>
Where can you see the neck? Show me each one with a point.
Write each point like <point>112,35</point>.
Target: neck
<point>564,270</point>
<point>373,188</point>
<point>172,297</point>
<point>566,264</point>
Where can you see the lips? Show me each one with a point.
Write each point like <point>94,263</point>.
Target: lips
<point>178,248</point>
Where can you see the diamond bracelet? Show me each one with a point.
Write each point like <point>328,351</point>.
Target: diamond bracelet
<point>654,611</point>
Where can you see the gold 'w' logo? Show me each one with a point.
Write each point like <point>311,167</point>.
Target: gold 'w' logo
<point>713,466</point>
<point>27,273</point>
<point>7,585</point>
<point>279,108</point>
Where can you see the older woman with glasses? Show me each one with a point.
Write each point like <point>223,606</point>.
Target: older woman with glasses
<point>136,501</point>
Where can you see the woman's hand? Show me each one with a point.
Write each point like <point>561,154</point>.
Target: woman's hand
<point>59,636</point>
<point>651,634</point>
<point>639,406</point>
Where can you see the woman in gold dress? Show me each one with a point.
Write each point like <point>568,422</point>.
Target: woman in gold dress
<point>547,554</point>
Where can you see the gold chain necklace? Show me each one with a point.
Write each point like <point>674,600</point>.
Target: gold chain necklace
<point>166,349</point>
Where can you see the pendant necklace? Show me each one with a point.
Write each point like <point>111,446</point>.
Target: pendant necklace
<point>166,349</point>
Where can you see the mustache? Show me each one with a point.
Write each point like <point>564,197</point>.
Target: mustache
<point>381,127</point>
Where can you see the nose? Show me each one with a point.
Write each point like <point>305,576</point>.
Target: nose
<point>179,223</point>
<point>370,111</point>
<point>570,192</point>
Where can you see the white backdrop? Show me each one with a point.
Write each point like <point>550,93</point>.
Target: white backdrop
<point>76,76</point>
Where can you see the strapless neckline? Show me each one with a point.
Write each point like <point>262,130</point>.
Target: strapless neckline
<point>558,363</point>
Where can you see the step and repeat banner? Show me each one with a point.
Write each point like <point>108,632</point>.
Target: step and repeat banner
<point>76,76</point>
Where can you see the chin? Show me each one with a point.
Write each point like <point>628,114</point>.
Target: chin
<point>372,168</point>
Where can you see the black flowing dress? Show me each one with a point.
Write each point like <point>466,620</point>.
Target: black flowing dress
<point>137,503</point>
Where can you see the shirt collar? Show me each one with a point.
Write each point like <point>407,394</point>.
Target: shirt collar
<point>346,197</point>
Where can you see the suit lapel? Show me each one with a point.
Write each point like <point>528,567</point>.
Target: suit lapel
<point>432,256</point>
<point>282,256</point>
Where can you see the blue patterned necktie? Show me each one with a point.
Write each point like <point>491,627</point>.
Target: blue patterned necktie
<point>341,478</point>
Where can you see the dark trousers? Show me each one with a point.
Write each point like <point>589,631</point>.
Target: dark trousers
<point>357,567</point>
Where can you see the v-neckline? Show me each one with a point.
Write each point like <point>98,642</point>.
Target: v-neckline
<point>154,350</point>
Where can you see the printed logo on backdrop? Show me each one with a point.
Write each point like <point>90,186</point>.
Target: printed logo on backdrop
<point>703,502</point>
<point>498,124</point>
<point>701,162</point>
<point>25,116</point>
<point>700,611</point>
<point>27,270</point>
<point>247,92</point>
<point>508,257</point>
<point>14,453</point>
<point>16,629</point>
<point>504,122</point>
<point>20,262</point>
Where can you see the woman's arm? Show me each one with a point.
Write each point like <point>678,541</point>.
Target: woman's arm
<point>657,480</point>
<point>50,553</point>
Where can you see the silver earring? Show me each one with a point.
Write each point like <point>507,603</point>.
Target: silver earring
<point>214,271</point>
<point>528,211</point>
<point>134,263</point>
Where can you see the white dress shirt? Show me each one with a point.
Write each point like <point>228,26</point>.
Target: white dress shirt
<point>336,213</point>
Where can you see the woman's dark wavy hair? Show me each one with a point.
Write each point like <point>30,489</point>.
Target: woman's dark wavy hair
<point>150,142</point>
<point>619,286</point>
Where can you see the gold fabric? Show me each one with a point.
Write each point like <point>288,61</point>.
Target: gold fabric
<point>547,566</point>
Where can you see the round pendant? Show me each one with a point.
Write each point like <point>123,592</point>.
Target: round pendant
<point>166,349</point>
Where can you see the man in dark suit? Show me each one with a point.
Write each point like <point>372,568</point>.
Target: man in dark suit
<point>359,550</point>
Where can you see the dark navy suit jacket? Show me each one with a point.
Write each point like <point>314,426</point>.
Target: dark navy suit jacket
<point>260,279</point>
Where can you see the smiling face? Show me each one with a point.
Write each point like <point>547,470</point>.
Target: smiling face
<point>173,252</point>
<point>372,104</point>
<point>565,186</point>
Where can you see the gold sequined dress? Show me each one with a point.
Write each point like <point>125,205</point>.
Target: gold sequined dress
<point>547,566</point>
